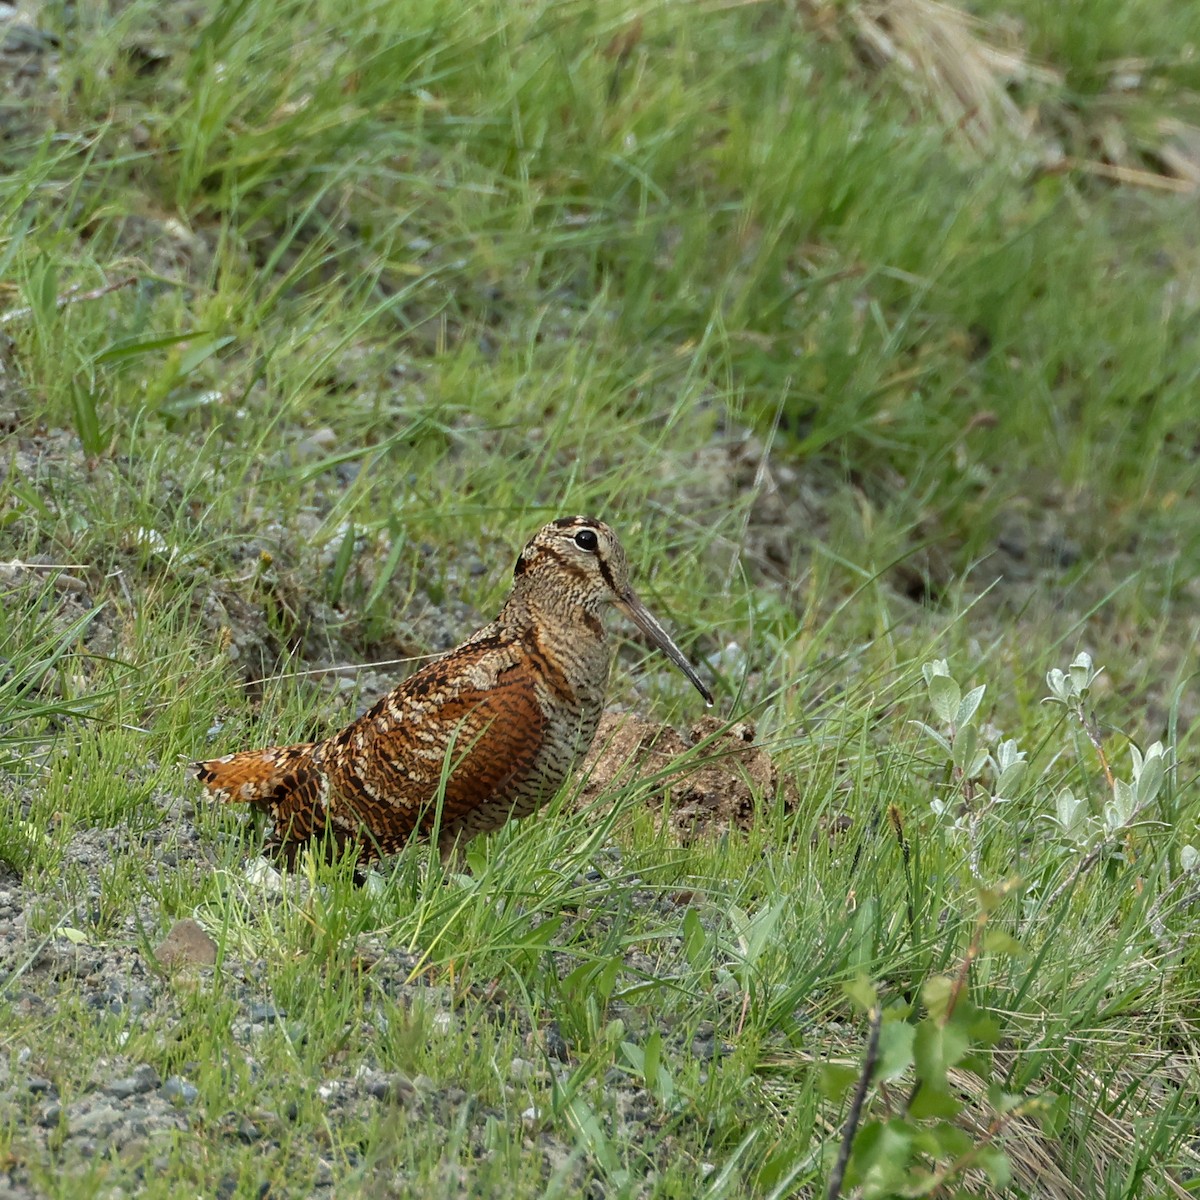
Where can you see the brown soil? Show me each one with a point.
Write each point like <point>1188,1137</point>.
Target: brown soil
<point>714,778</point>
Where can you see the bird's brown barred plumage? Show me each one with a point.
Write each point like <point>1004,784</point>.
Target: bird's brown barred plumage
<point>493,728</point>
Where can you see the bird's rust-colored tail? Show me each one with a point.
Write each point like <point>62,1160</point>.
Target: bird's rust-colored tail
<point>268,779</point>
<point>285,781</point>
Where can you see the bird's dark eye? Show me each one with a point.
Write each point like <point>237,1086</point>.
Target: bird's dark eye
<point>586,539</point>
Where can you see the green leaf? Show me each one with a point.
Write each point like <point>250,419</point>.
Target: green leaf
<point>86,417</point>
<point>944,696</point>
<point>201,352</point>
<point>948,1141</point>
<point>968,705</point>
<point>695,938</point>
<point>932,1100</point>
<point>1069,810</point>
<point>1002,1101</point>
<point>133,347</point>
<point>861,992</point>
<point>995,1164</point>
<point>996,941</point>
<point>1060,688</point>
<point>886,1160</point>
<point>590,1132</point>
<point>341,563</point>
<point>1082,673</point>
<point>861,950</point>
<point>1052,1112</point>
<point>942,742</point>
<point>635,1056</point>
<point>895,1049</point>
<point>384,576</point>
<point>652,1059</point>
<point>1011,778</point>
<point>937,1048</point>
<point>966,751</point>
<point>985,1029</point>
<point>1150,780</point>
<point>935,994</point>
<point>834,1080</point>
<point>937,666</point>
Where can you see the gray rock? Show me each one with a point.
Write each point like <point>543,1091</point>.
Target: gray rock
<point>395,1087</point>
<point>556,1044</point>
<point>522,1068</point>
<point>143,1079</point>
<point>98,1122</point>
<point>179,1091</point>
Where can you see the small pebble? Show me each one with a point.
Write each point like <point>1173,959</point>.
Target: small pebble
<point>395,1087</point>
<point>143,1079</point>
<point>556,1044</point>
<point>97,1122</point>
<point>521,1068</point>
<point>179,1091</point>
<point>186,945</point>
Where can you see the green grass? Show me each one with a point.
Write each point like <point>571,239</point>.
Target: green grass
<point>857,394</point>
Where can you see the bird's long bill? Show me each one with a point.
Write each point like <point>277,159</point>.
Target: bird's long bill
<point>640,615</point>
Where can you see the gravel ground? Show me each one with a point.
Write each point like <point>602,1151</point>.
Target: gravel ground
<point>128,1110</point>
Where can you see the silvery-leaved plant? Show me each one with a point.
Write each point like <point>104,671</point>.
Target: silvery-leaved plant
<point>1070,688</point>
<point>982,777</point>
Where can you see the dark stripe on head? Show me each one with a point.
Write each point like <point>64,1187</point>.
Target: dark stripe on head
<point>606,573</point>
<point>571,568</point>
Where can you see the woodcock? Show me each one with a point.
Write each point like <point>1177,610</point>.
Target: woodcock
<point>494,727</point>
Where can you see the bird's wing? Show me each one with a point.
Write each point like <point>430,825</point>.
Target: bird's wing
<point>480,733</point>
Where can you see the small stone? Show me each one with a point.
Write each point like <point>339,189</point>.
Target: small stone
<point>265,1014</point>
<point>521,1068</point>
<point>179,1091</point>
<point>186,945</point>
<point>530,1117</point>
<point>556,1044</point>
<point>315,446</point>
<point>395,1087</point>
<point>442,1023</point>
<point>39,1087</point>
<point>50,1116</point>
<point>144,1079</point>
<point>97,1123</point>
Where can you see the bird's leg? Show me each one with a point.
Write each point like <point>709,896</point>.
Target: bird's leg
<point>452,850</point>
